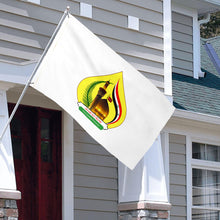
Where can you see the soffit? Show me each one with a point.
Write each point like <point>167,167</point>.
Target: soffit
<point>203,6</point>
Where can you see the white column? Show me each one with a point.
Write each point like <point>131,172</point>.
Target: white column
<point>167,25</point>
<point>147,181</point>
<point>67,166</point>
<point>7,180</point>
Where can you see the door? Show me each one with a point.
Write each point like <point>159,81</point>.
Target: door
<point>36,142</point>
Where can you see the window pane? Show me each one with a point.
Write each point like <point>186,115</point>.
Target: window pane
<point>213,152</point>
<point>199,186</point>
<point>199,214</point>
<point>199,177</point>
<point>45,128</point>
<point>206,190</point>
<point>206,152</point>
<point>46,151</point>
<point>198,151</point>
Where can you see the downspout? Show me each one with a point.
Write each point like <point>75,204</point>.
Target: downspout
<point>205,20</point>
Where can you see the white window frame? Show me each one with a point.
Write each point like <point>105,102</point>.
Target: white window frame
<point>198,164</point>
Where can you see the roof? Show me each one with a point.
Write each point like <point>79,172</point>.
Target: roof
<point>200,95</point>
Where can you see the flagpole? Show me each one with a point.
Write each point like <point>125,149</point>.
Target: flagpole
<point>66,12</point>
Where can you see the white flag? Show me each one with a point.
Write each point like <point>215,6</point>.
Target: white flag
<point>119,107</point>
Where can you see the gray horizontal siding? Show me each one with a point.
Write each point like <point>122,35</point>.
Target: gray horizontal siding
<point>19,51</point>
<point>142,9</point>
<point>177,157</point>
<point>182,34</point>
<point>27,28</point>
<point>85,214</point>
<point>95,205</point>
<point>25,31</point>
<point>153,5</point>
<point>95,182</point>
<point>95,179</point>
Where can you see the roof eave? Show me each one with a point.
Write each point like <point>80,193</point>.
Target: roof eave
<point>215,2</point>
<point>202,6</point>
<point>196,116</point>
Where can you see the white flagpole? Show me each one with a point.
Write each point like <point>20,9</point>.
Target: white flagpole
<point>33,73</point>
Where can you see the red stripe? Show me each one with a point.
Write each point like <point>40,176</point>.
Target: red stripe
<point>119,103</point>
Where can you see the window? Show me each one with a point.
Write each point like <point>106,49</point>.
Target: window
<point>205,181</point>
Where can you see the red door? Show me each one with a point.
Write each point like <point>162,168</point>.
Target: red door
<point>36,142</point>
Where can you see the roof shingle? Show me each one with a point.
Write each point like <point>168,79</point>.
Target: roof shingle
<point>199,95</point>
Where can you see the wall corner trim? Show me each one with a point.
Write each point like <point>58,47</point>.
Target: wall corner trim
<point>167,25</point>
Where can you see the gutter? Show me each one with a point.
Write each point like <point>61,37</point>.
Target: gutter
<point>206,19</point>
<point>215,2</point>
<point>195,116</point>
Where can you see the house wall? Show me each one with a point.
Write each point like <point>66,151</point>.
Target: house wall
<point>25,31</point>
<point>177,156</point>
<point>95,175</point>
<point>182,33</point>
<point>190,127</point>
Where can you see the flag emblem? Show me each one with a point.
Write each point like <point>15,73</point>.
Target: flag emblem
<point>101,99</point>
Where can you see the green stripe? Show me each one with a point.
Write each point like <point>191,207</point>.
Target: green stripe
<point>90,118</point>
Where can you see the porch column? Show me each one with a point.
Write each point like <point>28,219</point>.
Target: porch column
<point>8,192</point>
<point>143,191</point>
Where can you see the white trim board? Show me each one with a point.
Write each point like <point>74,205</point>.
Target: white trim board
<point>67,167</point>
<point>16,73</point>
<point>167,24</point>
<point>165,148</point>
<point>189,176</point>
<point>196,116</point>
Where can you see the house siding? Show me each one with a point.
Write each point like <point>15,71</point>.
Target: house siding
<point>95,175</point>
<point>182,33</point>
<point>27,27</point>
<point>25,31</point>
<point>177,155</point>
